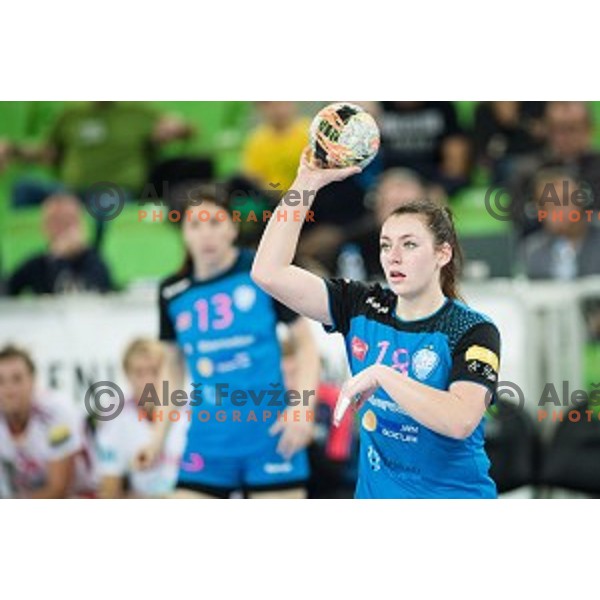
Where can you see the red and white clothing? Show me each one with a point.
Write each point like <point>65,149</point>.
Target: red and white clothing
<point>55,430</point>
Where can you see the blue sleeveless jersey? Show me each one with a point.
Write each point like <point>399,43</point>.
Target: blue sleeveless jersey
<point>226,327</point>
<point>399,457</point>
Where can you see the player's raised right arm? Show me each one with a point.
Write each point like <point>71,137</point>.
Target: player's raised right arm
<point>273,271</point>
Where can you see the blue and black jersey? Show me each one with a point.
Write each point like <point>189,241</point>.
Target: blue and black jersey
<point>226,327</point>
<point>399,457</point>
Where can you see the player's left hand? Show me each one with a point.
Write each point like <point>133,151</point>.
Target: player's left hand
<point>356,391</point>
<point>296,434</point>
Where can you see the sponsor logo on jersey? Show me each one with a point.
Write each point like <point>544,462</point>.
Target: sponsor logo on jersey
<point>374,459</point>
<point>205,367</point>
<point>176,288</point>
<point>399,436</point>
<point>386,405</point>
<point>369,421</point>
<point>238,341</point>
<point>377,305</point>
<point>359,348</point>
<point>244,297</point>
<point>277,468</point>
<point>424,362</point>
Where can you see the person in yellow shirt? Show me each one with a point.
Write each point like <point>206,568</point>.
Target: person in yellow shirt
<point>273,148</point>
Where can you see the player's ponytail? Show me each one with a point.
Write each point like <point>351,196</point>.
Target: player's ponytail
<point>440,221</point>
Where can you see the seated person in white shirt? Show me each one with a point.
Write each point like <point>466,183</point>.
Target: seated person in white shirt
<point>119,441</point>
<point>43,444</point>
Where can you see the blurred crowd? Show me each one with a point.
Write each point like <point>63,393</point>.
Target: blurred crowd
<point>541,154</point>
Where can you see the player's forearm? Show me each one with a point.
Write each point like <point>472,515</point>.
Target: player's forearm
<point>438,410</point>
<point>280,238</point>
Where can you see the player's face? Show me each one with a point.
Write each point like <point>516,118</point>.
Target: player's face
<point>142,370</point>
<point>410,259</point>
<point>16,385</point>
<point>209,233</point>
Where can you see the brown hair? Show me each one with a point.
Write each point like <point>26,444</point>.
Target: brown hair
<point>440,222</point>
<point>11,351</point>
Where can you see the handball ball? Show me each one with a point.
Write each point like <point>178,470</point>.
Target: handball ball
<point>344,135</point>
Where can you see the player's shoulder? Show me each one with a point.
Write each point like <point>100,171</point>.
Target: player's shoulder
<point>365,298</point>
<point>377,298</point>
<point>180,282</point>
<point>460,320</point>
<point>175,284</point>
<point>465,316</point>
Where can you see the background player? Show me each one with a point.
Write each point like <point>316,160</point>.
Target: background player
<point>224,326</point>
<point>425,362</point>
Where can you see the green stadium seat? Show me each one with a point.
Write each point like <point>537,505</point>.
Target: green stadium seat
<point>465,110</point>
<point>20,237</point>
<point>137,250</point>
<point>472,216</point>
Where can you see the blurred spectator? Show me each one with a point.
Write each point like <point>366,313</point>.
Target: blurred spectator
<point>120,440</point>
<point>325,244</point>
<point>505,131</point>
<point>569,129</point>
<point>97,142</point>
<point>272,151</point>
<point>69,265</point>
<point>426,137</point>
<point>43,445</point>
<point>567,246</point>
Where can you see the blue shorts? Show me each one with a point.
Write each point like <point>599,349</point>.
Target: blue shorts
<point>217,475</point>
